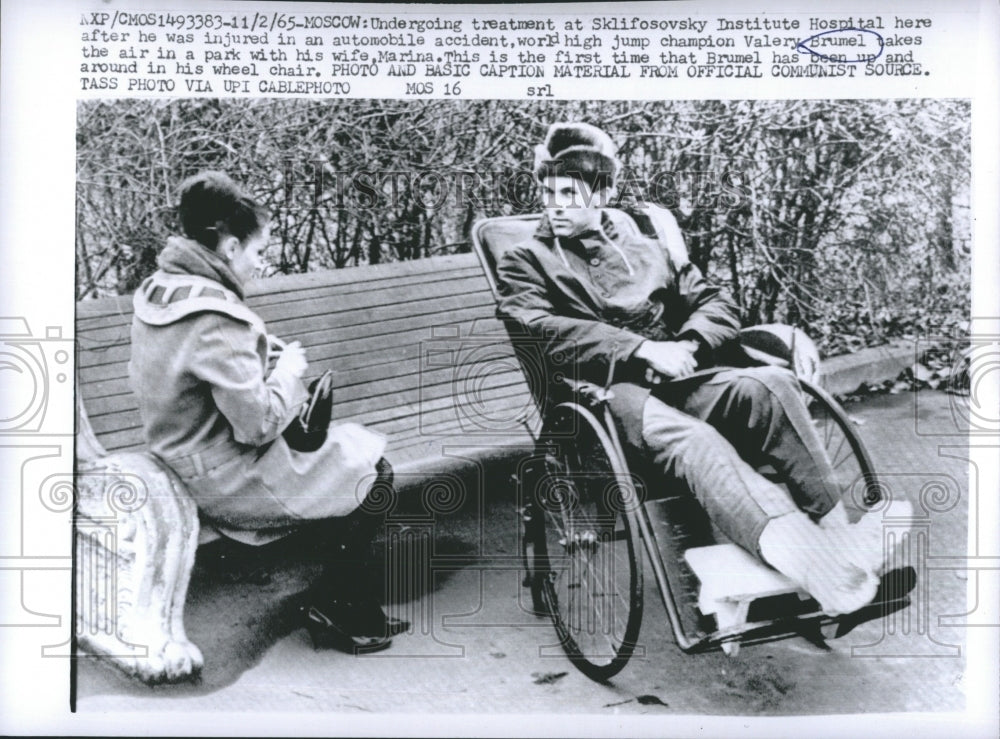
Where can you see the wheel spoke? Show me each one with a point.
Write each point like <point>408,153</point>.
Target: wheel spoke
<point>844,449</point>
<point>594,605</point>
<point>593,585</point>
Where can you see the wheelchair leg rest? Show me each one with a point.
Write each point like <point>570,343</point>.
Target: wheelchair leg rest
<point>731,648</point>
<point>731,616</point>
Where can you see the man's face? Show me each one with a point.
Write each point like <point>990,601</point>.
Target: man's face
<point>571,206</point>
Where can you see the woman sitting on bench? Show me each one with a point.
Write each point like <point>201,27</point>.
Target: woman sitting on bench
<point>215,414</point>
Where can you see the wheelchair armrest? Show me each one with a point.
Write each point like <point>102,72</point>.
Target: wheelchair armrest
<point>782,345</point>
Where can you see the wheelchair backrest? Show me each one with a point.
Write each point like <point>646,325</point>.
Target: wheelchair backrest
<point>491,237</point>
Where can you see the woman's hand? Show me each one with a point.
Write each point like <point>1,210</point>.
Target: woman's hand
<point>292,359</point>
<point>668,359</point>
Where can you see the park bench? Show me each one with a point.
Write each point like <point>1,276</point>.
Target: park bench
<point>417,355</point>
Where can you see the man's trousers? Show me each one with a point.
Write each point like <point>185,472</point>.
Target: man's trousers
<point>712,432</point>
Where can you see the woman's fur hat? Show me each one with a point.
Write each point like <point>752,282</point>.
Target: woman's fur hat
<point>578,150</point>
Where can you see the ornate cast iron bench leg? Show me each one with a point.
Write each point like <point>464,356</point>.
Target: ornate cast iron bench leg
<point>136,537</point>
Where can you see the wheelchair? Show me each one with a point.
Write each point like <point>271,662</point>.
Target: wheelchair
<point>592,528</point>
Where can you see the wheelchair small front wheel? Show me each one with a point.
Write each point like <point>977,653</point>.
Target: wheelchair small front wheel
<point>586,545</point>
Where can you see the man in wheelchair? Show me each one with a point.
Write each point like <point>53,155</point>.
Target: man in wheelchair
<point>633,311</point>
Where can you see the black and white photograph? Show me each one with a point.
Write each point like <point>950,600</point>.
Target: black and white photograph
<point>533,395</point>
<point>400,402</point>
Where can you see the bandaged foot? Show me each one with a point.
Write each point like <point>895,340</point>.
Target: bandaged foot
<point>823,561</point>
<point>863,543</point>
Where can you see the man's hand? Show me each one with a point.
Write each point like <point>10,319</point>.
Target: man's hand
<point>668,359</point>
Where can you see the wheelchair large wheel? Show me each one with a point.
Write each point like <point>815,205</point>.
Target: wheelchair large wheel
<point>585,545</point>
<point>852,466</point>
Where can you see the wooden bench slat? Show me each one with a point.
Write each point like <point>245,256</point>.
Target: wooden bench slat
<point>409,404</point>
<point>114,431</point>
<point>288,287</point>
<point>347,339</point>
<point>108,346</point>
<point>446,430</point>
<point>352,307</point>
<point>268,299</point>
<point>409,362</point>
<point>120,412</point>
<point>120,430</point>
<point>402,450</point>
<point>313,303</point>
<point>368,274</point>
<point>107,380</point>
<point>327,313</point>
<point>103,380</point>
<point>384,321</point>
<point>435,428</point>
<point>362,384</point>
<point>102,308</point>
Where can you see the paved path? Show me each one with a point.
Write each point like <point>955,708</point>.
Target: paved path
<point>477,650</point>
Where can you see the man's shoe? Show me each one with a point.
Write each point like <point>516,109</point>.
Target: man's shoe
<point>896,584</point>
<point>893,590</point>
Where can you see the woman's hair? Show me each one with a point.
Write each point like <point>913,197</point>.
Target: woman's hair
<point>213,206</point>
